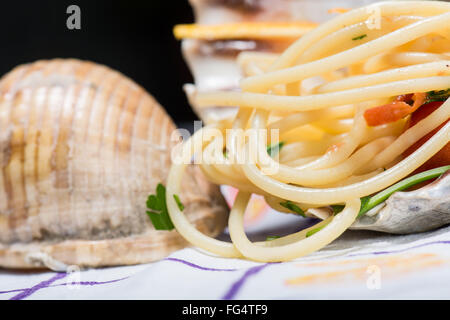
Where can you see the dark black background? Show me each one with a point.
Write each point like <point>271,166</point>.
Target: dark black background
<point>132,36</point>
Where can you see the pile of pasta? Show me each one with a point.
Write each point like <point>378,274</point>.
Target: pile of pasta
<point>339,99</point>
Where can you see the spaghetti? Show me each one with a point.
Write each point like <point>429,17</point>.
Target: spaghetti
<point>315,95</point>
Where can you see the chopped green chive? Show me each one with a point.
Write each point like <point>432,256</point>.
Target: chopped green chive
<point>359,37</point>
<point>274,149</point>
<point>270,238</point>
<point>293,207</point>
<point>178,201</point>
<point>313,231</point>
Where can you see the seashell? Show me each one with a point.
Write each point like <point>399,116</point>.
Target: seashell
<point>420,210</point>
<point>81,148</point>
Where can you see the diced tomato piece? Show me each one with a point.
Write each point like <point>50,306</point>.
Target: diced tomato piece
<point>387,113</point>
<point>395,110</point>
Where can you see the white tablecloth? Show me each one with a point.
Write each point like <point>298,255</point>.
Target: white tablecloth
<point>359,265</point>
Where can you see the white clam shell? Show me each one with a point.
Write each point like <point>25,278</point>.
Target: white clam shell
<point>81,148</point>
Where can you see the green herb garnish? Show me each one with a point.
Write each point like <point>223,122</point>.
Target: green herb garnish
<point>337,208</point>
<point>270,238</point>
<point>178,201</point>
<point>274,149</point>
<point>359,37</point>
<point>440,95</point>
<point>158,209</point>
<point>293,207</point>
<point>311,232</point>
<point>225,153</point>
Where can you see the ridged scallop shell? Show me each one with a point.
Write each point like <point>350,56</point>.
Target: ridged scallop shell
<point>81,148</point>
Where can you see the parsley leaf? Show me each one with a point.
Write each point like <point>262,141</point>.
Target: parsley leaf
<point>359,37</point>
<point>157,209</point>
<point>440,95</point>
<point>274,149</point>
<point>293,207</point>
<point>337,208</point>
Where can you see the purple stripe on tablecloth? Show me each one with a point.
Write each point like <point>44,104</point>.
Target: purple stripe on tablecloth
<point>87,283</point>
<point>230,294</point>
<point>237,285</point>
<point>400,250</point>
<point>44,284</point>
<point>11,291</point>
<point>82,283</point>
<point>190,264</point>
